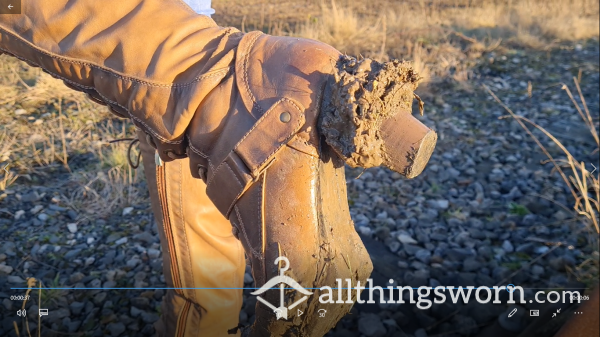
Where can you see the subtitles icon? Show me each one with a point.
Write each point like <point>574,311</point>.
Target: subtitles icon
<point>535,313</point>
<point>43,312</point>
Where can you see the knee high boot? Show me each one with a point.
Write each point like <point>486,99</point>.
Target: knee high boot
<point>199,251</point>
<point>243,111</point>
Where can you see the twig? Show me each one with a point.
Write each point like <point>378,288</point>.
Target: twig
<point>19,78</point>
<point>519,120</point>
<point>553,201</point>
<point>62,136</point>
<point>463,36</point>
<point>39,305</point>
<point>529,264</point>
<point>16,329</point>
<point>382,51</point>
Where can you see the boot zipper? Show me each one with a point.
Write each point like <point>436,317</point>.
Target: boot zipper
<point>162,195</point>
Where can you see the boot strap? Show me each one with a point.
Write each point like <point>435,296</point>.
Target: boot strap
<point>254,153</point>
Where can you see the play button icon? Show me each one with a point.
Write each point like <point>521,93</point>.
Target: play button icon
<point>300,313</point>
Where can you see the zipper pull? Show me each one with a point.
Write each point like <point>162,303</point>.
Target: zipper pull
<point>157,159</point>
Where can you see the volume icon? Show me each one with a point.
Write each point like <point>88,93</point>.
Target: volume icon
<point>21,313</point>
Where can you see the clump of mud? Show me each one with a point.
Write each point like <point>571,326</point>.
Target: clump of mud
<point>365,93</point>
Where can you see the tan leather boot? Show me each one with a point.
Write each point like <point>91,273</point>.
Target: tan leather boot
<point>199,251</point>
<point>244,109</point>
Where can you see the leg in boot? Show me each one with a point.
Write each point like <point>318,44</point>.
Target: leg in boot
<point>199,251</point>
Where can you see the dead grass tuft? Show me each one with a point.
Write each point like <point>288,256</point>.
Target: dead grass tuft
<point>583,185</point>
<point>102,193</point>
<point>424,32</point>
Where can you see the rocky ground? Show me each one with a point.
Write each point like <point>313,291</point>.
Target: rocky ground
<point>484,212</point>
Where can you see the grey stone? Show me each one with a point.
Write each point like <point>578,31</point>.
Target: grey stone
<point>76,308</point>
<point>406,239</point>
<point>471,264</point>
<point>73,326</point>
<point>371,326</point>
<point>99,298</point>
<point>61,313</point>
<point>140,302</point>
<point>411,249</point>
<point>420,333</point>
<point>394,246</point>
<point>127,211</point>
<point>423,255</point>
<point>145,237</point>
<point>72,227</point>
<point>121,241</point>
<point>30,197</point>
<point>507,246</point>
<point>76,277</point>
<point>441,204</point>
<point>72,214</point>
<point>14,279</point>
<point>541,249</point>
<point>113,237</point>
<point>537,270</point>
<point>116,329</point>
<point>74,253</point>
<point>153,253</point>
<point>149,318</point>
<point>134,311</point>
<point>562,262</point>
<point>6,269</point>
<point>36,209</point>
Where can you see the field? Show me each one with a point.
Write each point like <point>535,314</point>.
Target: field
<point>490,208</point>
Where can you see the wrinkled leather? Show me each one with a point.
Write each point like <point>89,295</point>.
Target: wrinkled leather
<point>153,61</point>
<point>203,253</point>
<point>222,98</point>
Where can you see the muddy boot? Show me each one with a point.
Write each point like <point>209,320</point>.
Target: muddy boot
<point>244,108</point>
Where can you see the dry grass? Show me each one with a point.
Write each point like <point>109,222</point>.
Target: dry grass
<point>442,38</point>
<point>45,125</point>
<point>583,185</point>
<point>102,193</point>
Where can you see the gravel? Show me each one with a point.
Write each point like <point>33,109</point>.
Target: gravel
<point>474,217</point>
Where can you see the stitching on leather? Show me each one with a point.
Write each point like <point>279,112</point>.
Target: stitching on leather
<point>154,133</point>
<point>162,139</point>
<point>261,219</point>
<point>112,72</point>
<point>246,58</point>
<point>257,254</point>
<point>200,153</point>
<point>234,175</point>
<point>184,229</point>
<point>287,138</point>
<point>263,117</point>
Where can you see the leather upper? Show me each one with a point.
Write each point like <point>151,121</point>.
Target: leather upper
<point>182,80</point>
<point>152,61</point>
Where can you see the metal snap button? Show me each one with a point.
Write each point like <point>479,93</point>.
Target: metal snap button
<point>285,117</point>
